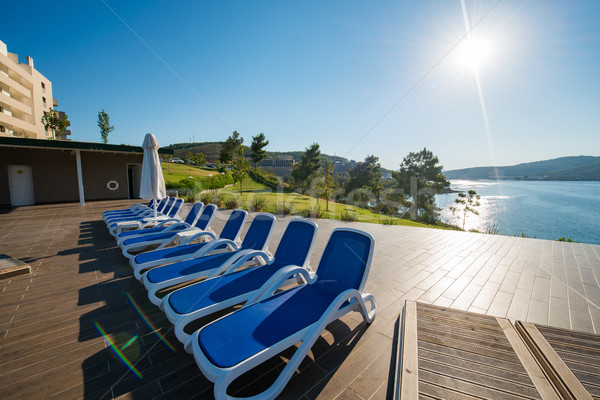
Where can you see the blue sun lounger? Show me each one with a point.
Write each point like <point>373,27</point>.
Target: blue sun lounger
<point>139,227</point>
<point>137,212</point>
<point>129,210</point>
<point>237,287</point>
<point>117,226</point>
<point>139,243</point>
<point>164,205</point>
<point>244,339</point>
<point>187,249</point>
<point>164,226</point>
<point>256,240</point>
<point>166,208</point>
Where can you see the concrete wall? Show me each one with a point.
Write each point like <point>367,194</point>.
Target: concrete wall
<point>55,173</point>
<point>99,168</point>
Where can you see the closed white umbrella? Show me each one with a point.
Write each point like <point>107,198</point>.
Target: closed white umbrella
<point>153,183</point>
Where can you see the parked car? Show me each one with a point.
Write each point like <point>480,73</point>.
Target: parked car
<point>177,160</point>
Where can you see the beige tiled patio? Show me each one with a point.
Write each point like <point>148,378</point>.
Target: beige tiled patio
<point>50,348</point>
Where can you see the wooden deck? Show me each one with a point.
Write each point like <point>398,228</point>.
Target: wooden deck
<point>50,345</point>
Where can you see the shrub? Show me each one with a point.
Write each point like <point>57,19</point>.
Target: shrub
<point>525,235</point>
<point>316,212</point>
<point>284,209</point>
<point>191,197</point>
<point>565,239</point>
<point>258,203</point>
<point>216,182</point>
<point>171,185</point>
<point>385,209</point>
<point>231,202</point>
<point>348,216</point>
<point>312,212</point>
<point>388,221</point>
<point>492,230</point>
<point>209,197</point>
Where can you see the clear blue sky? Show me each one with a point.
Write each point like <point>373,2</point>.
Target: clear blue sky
<point>357,77</point>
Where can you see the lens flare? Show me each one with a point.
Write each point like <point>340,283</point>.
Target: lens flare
<point>150,325</point>
<point>118,351</point>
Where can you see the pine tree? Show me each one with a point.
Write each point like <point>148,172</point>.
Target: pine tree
<point>257,151</point>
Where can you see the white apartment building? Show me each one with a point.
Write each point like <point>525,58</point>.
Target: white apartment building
<point>24,96</point>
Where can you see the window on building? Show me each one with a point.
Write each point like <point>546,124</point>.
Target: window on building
<point>43,87</point>
<point>2,129</point>
<point>44,101</point>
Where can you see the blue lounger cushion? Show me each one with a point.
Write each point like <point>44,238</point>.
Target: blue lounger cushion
<point>170,252</point>
<point>232,345</point>
<point>225,287</point>
<point>270,321</point>
<point>149,231</point>
<point>187,267</point>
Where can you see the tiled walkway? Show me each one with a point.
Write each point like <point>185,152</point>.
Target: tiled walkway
<point>50,346</point>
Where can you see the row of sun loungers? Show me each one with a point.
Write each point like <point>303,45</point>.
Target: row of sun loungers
<point>191,273</point>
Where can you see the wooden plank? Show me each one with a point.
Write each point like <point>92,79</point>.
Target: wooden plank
<point>463,388</point>
<point>463,327</point>
<point>475,377</point>
<point>491,342</point>
<point>484,360</point>
<point>578,354</point>
<point>429,391</point>
<point>407,375</point>
<point>537,375</point>
<point>504,354</point>
<point>486,369</point>
<point>455,314</point>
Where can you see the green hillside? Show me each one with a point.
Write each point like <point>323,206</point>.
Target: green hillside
<point>579,168</point>
<point>212,149</point>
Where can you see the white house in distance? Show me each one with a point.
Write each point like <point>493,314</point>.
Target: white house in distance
<point>25,95</point>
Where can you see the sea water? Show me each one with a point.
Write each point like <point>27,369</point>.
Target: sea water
<point>540,209</point>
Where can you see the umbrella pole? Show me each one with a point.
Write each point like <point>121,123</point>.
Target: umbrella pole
<point>155,206</point>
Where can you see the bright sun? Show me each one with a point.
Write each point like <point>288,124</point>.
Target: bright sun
<point>473,53</point>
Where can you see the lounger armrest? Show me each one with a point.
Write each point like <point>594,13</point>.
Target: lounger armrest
<point>144,213</point>
<point>352,299</point>
<point>173,226</point>
<point>173,220</point>
<point>150,220</point>
<point>269,288</point>
<point>199,235</point>
<point>121,226</point>
<point>172,240</point>
<point>210,246</point>
<point>241,257</point>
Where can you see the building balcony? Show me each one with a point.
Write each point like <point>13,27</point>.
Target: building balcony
<point>18,125</point>
<point>13,84</point>
<point>7,101</point>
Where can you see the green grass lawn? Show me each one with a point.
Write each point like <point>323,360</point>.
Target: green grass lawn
<point>176,172</point>
<point>300,203</point>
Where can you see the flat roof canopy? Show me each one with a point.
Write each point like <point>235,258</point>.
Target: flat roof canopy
<point>71,145</point>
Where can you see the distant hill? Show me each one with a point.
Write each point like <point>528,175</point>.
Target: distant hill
<point>579,168</point>
<point>212,150</point>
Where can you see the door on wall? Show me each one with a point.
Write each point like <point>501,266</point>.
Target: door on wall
<point>20,180</point>
<point>134,177</point>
